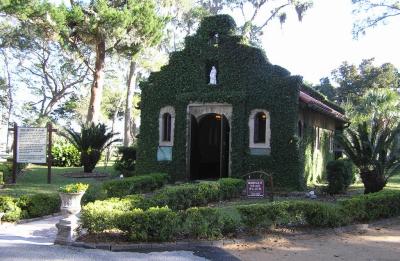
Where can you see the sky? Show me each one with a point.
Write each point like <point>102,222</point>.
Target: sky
<point>323,40</point>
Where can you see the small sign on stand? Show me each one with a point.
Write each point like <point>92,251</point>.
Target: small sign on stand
<point>255,185</point>
<point>255,188</point>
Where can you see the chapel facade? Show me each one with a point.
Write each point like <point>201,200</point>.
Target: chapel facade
<point>221,109</point>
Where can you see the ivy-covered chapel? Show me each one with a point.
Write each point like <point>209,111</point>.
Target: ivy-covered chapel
<point>221,109</point>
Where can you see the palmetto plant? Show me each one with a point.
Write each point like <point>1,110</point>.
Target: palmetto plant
<point>374,150</point>
<point>91,142</point>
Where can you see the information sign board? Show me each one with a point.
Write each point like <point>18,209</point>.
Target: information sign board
<point>31,145</point>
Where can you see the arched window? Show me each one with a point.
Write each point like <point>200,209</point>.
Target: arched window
<point>259,127</point>
<point>259,132</point>
<point>166,126</point>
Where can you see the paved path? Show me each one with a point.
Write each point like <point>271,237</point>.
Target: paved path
<point>34,241</point>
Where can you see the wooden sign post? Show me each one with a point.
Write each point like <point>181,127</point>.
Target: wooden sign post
<point>32,145</point>
<point>50,130</point>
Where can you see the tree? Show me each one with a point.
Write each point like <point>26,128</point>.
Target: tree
<point>371,13</point>
<point>104,26</point>
<point>383,105</point>
<point>372,148</point>
<point>113,105</point>
<point>354,81</point>
<point>49,72</point>
<point>325,87</point>
<point>262,12</point>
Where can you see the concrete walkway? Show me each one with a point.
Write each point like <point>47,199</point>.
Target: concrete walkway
<point>34,241</point>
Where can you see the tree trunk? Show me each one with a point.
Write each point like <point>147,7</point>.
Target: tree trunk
<point>98,82</point>
<point>373,182</point>
<point>131,82</point>
<point>10,99</point>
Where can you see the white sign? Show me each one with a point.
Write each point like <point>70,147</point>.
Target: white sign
<point>31,145</point>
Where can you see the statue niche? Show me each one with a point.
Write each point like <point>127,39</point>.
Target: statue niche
<point>212,73</point>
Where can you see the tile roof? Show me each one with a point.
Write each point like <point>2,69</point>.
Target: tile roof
<point>321,107</point>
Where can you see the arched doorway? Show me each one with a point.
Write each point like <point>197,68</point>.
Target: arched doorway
<point>209,146</point>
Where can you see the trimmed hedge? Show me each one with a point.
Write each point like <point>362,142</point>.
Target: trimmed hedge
<point>162,223</point>
<point>102,215</point>
<point>157,223</point>
<point>198,194</point>
<point>29,206</point>
<point>319,214</point>
<point>134,185</point>
<point>39,205</point>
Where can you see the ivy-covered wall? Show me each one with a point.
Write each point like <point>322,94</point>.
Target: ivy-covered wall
<point>247,81</point>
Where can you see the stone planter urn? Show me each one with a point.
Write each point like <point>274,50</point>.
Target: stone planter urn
<point>70,208</point>
<point>70,203</point>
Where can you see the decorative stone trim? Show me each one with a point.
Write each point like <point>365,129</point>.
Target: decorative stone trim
<point>266,144</point>
<point>171,111</point>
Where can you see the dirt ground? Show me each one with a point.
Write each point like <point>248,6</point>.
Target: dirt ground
<point>379,241</point>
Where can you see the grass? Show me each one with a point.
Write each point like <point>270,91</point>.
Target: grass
<point>34,180</point>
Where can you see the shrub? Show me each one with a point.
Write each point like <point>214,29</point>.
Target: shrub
<point>231,188</point>
<point>65,155</point>
<point>340,175</point>
<point>39,205</point>
<point>103,215</point>
<point>136,184</point>
<point>162,224</point>
<point>319,214</point>
<point>187,195</point>
<point>126,162</point>
<point>372,206</point>
<point>207,223</point>
<point>261,216</point>
<point>93,193</point>
<point>1,177</point>
<point>7,167</point>
<point>9,207</point>
<point>198,194</point>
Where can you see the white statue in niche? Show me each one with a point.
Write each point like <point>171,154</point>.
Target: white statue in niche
<point>213,76</point>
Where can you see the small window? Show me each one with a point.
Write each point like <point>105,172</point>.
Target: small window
<point>166,122</point>
<point>300,129</point>
<point>318,134</point>
<point>259,127</point>
<point>166,127</point>
<point>331,141</point>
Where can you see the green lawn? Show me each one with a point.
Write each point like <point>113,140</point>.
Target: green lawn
<point>34,180</point>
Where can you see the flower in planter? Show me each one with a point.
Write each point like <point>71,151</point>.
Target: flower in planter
<point>74,188</point>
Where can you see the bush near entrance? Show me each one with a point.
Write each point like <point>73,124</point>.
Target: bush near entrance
<point>192,195</point>
<point>135,185</point>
